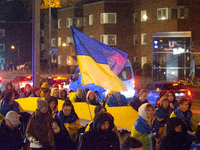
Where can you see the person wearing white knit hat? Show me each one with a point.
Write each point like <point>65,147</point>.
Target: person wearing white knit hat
<point>11,136</point>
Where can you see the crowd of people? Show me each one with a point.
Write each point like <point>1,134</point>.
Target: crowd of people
<point>168,126</point>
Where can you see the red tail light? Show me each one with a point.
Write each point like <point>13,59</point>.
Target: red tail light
<point>0,78</point>
<point>189,93</point>
<point>133,83</point>
<point>175,84</point>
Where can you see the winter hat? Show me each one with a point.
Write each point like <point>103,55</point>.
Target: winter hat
<point>172,123</point>
<point>41,103</point>
<point>45,85</point>
<point>87,97</point>
<point>79,93</point>
<point>100,118</point>
<point>35,88</point>
<point>13,117</point>
<point>98,109</point>
<point>52,91</point>
<point>50,99</point>
<point>142,111</point>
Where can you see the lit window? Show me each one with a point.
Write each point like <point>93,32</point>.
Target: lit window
<point>53,42</point>
<point>59,59</point>
<point>109,39</point>
<point>182,13</point>
<point>69,40</point>
<point>90,19</point>
<point>162,14</point>
<point>143,15</point>
<point>59,23</point>
<point>84,21</point>
<point>143,39</point>
<point>2,32</point>
<point>135,39</point>
<point>144,61</point>
<point>41,47</point>
<point>41,32</point>
<point>59,41</point>
<point>69,22</point>
<point>108,18</point>
<point>135,19</point>
<point>77,22</point>
<point>2,47</point>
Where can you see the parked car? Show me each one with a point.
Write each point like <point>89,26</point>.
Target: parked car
<point>20,81</point>
<point>154,88</point>
<point>62,82</point>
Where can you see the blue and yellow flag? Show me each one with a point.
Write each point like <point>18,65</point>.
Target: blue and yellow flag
<point>98,62</point>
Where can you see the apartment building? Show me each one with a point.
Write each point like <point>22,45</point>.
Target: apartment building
<point>107,22</point>
<point>166,36</point>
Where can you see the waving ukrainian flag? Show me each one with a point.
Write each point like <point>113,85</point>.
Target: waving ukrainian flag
<point>98,62</point>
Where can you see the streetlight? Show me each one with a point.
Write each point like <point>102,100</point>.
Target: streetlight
<point>13,47</point>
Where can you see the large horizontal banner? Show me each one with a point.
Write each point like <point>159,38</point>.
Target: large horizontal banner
<point>124,117</point>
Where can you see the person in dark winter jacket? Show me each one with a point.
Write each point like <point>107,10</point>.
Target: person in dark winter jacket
<point>100,136</point>
<point>8,103</point>
<point>11,137</point>
<point>132,144</point>
<point>117,99</point>
<point>79,95</point>
<point>9,86</point>
<point>176,137</point>
<point>196,144</point>
<point>27,91</point>
<point>41,128</point>
<point>53,105</point>
<point>139,100</point>
<point>69,124</point>
<point>91,98</point>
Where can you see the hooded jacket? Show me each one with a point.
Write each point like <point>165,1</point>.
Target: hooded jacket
<point>52,92</point>
<point>63,98</point>
<point>4,104</point>
<point>94,101</point>
<point>175,140</point>
<point>96,139</point>
<point>143,131</point>
<point>50,99</point>
<point>113,101</point>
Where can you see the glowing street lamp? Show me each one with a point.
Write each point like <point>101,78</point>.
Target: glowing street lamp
<point>13,47</point>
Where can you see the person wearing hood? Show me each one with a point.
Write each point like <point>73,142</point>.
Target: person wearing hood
<point>146,126</point>
<point>79,95</point>
<point>107,96</point>
<point>27,91</point>
<point>41,128</point>
<point>163,112</point>
<point>100,136</point>
<point>139,100</point>
<point>196,144</point>
<point>117,99</point>
<point>44,90</point>
<point>36,92</point>
<point>52,104</point>
<point>55,92</point>
<point>69,124</point>
<point>176,136</point>
<point>63,94</point>
<point>183,112</point>
<point>91,98</point>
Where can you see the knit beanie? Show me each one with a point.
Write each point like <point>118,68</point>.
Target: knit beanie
<point>41,103</point>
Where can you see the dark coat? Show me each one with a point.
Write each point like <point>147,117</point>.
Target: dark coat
<point>175,140</point>
<point>136,103</point>
<point>80,99</point>
<point>96,139</point>
<point>10,139</point>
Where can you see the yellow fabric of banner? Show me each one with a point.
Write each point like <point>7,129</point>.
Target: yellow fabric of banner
<point>124,117</point>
